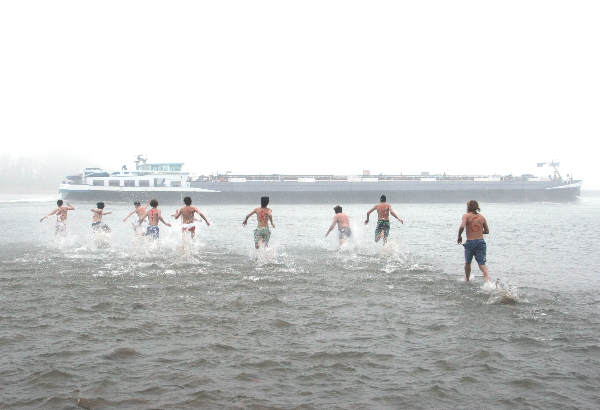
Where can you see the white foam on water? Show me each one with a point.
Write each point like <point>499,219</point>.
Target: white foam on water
<point>488,286</point>
<point>101,240</point>
<point>501,293</point>
<point>264,256</point>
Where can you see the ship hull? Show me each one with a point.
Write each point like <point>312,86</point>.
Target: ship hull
<point>334,193</point>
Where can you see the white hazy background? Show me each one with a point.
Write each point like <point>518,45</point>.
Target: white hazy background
<point>302,86</point>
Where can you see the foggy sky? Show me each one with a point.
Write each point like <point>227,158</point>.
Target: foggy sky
<point>303,87</point>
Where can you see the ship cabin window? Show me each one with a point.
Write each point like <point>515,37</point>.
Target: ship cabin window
<point>143,182</point>
<point>114,182</point>
<point>129,182</point>
<point>176,183</point>
<point>98,182</point>
<point>159,182</point>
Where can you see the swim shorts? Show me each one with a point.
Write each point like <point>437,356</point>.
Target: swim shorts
<point>477,248</point>
<point>153,231</point>
<point>60,228</point>
<point>188,227</point>
<point>96,226</point>
<point>345,233</point>
<point>382,226</point>
<point>262,233</point>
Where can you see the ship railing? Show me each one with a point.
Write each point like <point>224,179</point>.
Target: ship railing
<point>229,178</point>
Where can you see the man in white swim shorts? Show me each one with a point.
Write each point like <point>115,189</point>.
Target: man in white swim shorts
<point>187,214</point>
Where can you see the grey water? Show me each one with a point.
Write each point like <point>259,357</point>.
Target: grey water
<point>216,324</point>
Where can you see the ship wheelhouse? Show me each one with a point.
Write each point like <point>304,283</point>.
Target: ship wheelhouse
<point>147,175</point>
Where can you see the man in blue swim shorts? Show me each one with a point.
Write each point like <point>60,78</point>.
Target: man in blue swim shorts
<point>476,226</point>
<point>154,217</point>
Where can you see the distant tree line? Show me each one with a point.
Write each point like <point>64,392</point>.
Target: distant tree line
<point>35,174</point>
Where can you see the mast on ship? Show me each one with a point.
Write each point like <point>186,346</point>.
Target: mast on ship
<point>139,160</point>
<point>554,165</point>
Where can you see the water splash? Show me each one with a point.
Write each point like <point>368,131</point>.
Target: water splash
<point>501,293</point>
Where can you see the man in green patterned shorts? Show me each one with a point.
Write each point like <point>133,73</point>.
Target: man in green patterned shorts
<point>383,219</point>
<point>264,215</point>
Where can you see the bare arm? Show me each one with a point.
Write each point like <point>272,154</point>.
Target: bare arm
<point>332,226</point>
<point>202,216</point>
<point>248,216</point>
<point>106,213</point>
<point>461,229</point>
<point>396,216</point>
<point>50,214</point>
<point>70,207</point>
<point>486,230</point>
<point>177,214</point>
<point>271,219</point>
<point>369,213</point>
<point>160,218</point>
<point>127,217</point>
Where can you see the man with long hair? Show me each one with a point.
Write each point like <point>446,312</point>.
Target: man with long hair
<point>476,226</point>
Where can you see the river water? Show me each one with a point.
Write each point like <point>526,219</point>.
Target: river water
<point>302,324</point>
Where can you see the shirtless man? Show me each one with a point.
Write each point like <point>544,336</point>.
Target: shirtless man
<point>61,216</point>
<point>383,219</point>
<point>154,216</point>
<point>264,215</point>
<point>141,215</point>
<point>476,227</point>
<point>341,219</point>
<point>97,218</point>
<point>187,214</point>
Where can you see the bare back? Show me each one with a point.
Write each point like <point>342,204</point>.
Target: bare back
<point>153,216</point>
<point>475,225</point>
<point>342,220</point>
<point>187,214</point>
<point>262,215</point>
<point>140,211</point>
<point>383,211</point>
<point>97,215</point>
<point>61,213</point>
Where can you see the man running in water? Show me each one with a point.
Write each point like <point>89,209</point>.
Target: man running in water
<point>97,218</point>
<point>141,215</point>
<point>187,216</point>
<point>383,219</point>
<point>343,223</point>
<point>476,227</point>
<point>61,216</point>
<point>154,216</point>
<point>264,215</point>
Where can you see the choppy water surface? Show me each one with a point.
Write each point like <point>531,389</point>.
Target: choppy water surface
<point>216,324</point>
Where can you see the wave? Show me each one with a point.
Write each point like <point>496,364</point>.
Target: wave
<point>122,353</point>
